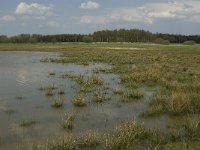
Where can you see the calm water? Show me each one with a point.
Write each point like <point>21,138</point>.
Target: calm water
<point>22,74</point>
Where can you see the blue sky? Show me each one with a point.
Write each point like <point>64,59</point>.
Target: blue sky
<point>87,16</point>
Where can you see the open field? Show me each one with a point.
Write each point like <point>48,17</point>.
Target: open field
<point>109,96</point>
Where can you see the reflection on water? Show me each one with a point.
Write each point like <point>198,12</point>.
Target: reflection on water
<point>22,74</point>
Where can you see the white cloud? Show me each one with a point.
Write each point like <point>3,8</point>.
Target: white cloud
<point>52,24</point>
<point>129,15</point>
<point>93,20</point>
<point>28,17</point>
<point>90,5</point>
<point>150,12</point>
<point>7,18</point>
<point>33,9</point>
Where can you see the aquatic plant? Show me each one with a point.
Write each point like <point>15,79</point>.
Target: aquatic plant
<point>28,123</point>
<point>49,92</point>
<point>68,121</point>
<point>61,91</point>
<point>179,103</point>
<point>52,73</point>
<point>79,101</point>
<point>57,103</point>
<point>132,95</point>
<point>19,97</point>
<point>118,91</point>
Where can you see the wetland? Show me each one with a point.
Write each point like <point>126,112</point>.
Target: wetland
<point>99,96</point>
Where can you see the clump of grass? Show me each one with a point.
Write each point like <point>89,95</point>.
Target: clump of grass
<point>180,102</point>
<point>51,87</point>
<point>94,79</point>
<point>28,123</point>
<point>45,60</point>
<point>68,121</point>
<point>49,92</point>
<point>69,142</point>
<point>118,91</point>
<point>102,70</point>
<point>79,101</point>
<point>192,128</point>
<point>90,83</point>
<point>57,103</point>
<point>41,88</point>
<point>188,129</point>
<point>132,95</point>
<point>157,106</point>
<point>80,79</point>
<point>99,98</point>
<point>138,95</point>
<point>150,74</point>
<point>61,91</point>
<point>128,134</point>
<point>19,97</point>
<point>52,73</point>
<point>90,139</point>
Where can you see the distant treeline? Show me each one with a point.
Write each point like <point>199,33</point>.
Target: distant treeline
<point>121,35</point>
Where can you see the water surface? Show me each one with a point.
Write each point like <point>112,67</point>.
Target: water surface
<point>22,74</point>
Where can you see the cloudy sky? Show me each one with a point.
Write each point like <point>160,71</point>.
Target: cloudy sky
<point>87,16</point>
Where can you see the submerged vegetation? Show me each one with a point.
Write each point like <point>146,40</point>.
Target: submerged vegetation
<point>163,78</point>
<point>28,123</point>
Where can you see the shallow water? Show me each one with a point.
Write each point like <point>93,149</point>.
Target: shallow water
<point>22,74</point>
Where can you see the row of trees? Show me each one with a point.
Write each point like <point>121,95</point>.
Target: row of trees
<point>35,38</point>
<point>121,35</point>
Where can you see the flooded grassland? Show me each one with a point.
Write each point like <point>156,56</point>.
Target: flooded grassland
<point>100,98</point>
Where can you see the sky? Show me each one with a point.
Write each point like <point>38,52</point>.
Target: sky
<point>88,16</point>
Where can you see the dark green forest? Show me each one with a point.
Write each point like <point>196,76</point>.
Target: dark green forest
<point>121,35</point>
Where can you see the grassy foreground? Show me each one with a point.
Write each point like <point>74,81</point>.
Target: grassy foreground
<point>173,69</point>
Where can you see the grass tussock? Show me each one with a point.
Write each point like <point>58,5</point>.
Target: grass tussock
<point>68,121</point>
<point>100,96</point>
<point>158,105</point>
<point>180,103</point>
<point>19,97</point>
<point>61,91</point>
<point>132,95</point>
<point>89,140</point>
<point>52,73</point>
<point>49,92</point>
<point>129,135</point>
<point>28,123</point>
<point>79,101</point>
<point>57,103</point>
<point>118,91</point>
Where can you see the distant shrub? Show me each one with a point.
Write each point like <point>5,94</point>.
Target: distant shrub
<point>165,42</point>
<point>189,43</point>
<point>87,39</point>
<point>161,41</point>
